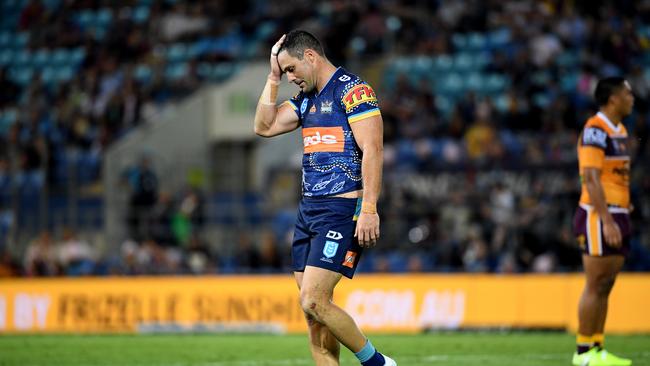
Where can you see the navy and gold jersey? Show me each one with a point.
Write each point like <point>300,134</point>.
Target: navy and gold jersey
<point>603,145</point>
<point>332,159</point>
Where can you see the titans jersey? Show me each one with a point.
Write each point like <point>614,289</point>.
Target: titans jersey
<point>603,146</point>
<point>331,162</point>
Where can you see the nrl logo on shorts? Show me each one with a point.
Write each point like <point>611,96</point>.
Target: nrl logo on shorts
<point>330,248</point>
<point>326,106</point>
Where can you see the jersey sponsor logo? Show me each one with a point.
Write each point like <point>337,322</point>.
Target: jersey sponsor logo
<point>330,248</point>
<point>349,259</point>
<point>595,137</point>
<point>359,94</point>
<point>344,78</point>
<point>323,139</point>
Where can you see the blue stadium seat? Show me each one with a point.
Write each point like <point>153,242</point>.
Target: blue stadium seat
<point>61,56</point>
<point>463,62</point>
<point>64,73</point>
<point>176,71</point>
<point>474,81</point>
<point>495,83</point>
<point>41,57</point>
<point>5,38</point>
<point>459,41</point>
<point>21,75</point>
<point>140,14</point>
<point>477,41</point>
<point>6,57</point>
<point>142,73</point>
<point>20,39</point>
<point>22,58</point>
<point>7,118</point>
<point>450,85</point>
<point>48,75</point>
<point>177,52</point>
<point>443,63</point>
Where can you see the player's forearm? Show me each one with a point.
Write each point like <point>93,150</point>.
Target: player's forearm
<point>266,107</point>
<point>597,195</point>
<point>371,170</point>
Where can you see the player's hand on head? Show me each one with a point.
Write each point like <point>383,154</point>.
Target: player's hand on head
<point>367,230</point>
<point>275,67</point>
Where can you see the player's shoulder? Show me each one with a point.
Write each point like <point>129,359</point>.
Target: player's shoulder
<point>344,77</point>
<point>594,133</point>
<point>352,90</point>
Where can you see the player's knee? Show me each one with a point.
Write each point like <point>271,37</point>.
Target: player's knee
<point>605,285</point>
<point>311,302</point>
<point>311,321</point>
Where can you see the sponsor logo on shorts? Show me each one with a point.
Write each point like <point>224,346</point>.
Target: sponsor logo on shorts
<point>334,235</point>
<point>350,257</point>
<point>361,93</point>
<point>323,139</point>
<point>330,249</point>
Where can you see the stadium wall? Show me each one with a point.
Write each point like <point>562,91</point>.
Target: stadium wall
<point>379,303</point>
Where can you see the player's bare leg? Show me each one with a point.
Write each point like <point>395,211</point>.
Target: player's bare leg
<point>315,298</point>
<point>324,347</point>
<point>600,276</point>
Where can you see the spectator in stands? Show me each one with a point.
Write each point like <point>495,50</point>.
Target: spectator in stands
<point>76,256</point>
<point>41,257</point>
<point>143,184</point>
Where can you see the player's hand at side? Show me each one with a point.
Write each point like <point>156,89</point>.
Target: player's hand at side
<point>612,233</point>
<point>367,230</point>
<point>276,73</point>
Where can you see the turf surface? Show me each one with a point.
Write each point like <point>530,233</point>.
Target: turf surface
<point>453,348</point>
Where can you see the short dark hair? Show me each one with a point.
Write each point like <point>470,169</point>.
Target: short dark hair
<point>606,87</point>
<point>297,41</point>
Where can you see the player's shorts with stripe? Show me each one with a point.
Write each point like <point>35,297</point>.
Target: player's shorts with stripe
<point>324,235</point>
<point>588,229</point>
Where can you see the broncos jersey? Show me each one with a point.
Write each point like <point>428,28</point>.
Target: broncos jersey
<point>603,145</point>
<point>331,161</point>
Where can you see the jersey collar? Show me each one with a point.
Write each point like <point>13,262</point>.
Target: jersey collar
<point>608,122</point>
<point>329,81</point>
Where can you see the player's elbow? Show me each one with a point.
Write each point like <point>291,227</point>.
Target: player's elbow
<point>373,147</point>
<point>261,130</point>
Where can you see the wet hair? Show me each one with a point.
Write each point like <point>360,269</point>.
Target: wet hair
<point>297,41</point>
<point>606,87</point>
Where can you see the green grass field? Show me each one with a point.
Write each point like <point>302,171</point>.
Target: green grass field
<point>447,348</point>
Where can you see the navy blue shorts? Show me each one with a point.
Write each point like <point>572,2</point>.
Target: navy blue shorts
<point>324,235</point>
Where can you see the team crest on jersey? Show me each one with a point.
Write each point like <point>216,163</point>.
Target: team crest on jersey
<point>303,106</point>
<point>359,94</point>
<point>330,249</point>
<point>312,109</point>
<point>326,106</point>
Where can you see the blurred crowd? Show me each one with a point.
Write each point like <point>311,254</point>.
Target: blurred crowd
<point>482,103</point>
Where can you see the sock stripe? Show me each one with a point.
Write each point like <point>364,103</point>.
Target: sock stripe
<point>366,352</point>
<point>583,339</point>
